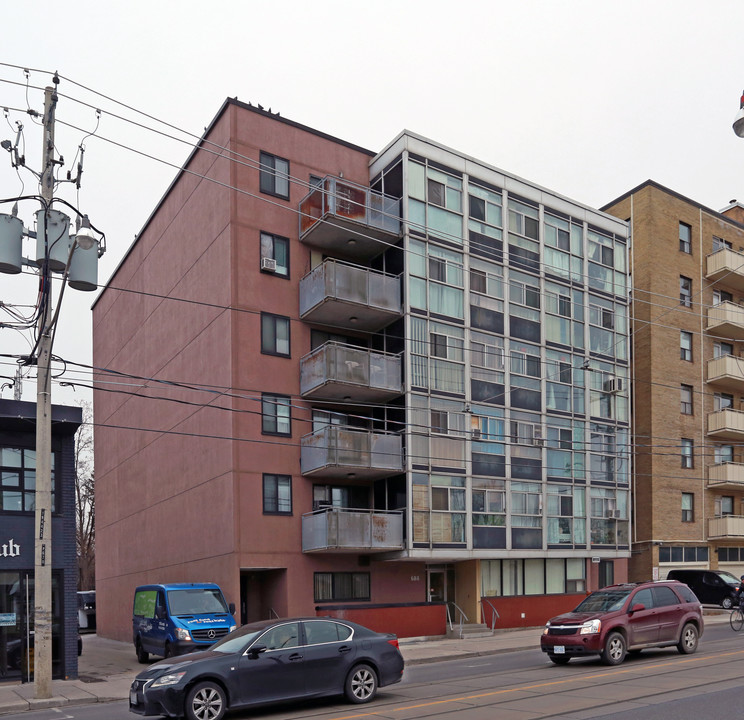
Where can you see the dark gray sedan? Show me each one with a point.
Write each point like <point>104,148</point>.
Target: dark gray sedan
<point>268,662</point>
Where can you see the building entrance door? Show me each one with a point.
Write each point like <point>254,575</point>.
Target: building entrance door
<point>440,583</point>
<point>263,594</point>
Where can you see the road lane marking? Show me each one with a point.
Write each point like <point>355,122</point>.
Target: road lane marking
<point>536,686</point>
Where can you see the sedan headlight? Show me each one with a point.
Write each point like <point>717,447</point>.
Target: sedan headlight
<point>591,627</point>
<point>182,634</point>
<point>169,679</point>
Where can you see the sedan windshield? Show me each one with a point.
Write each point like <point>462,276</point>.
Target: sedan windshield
<point>604,601</point>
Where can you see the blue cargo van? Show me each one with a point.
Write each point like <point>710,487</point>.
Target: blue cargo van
<point>179,618</point>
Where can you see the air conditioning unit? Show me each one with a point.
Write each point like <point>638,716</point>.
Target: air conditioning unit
<point>268,264</point>
<point>614,385</point>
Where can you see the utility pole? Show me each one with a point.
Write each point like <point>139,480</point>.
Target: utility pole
<point>43,537</point>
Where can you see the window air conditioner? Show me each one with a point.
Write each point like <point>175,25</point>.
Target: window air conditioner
<point>613,385</point>
<point>268,264</point>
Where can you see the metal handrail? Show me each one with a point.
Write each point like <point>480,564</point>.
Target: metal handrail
<point>463,616</point>
<point>273,613</point>
<point>494,612</point>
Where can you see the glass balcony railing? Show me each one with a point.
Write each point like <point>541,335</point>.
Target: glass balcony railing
<point>349,219</point>
<point>352,530</point>
<point>339,294</point>
<point>338,451</point>
<point>336,371</point>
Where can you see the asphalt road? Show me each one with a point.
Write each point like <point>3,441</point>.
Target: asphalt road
<point>655,685</point>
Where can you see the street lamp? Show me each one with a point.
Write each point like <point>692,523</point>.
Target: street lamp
<point>739,119</point>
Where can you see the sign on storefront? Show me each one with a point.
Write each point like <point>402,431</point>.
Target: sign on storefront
<point>10,549</point>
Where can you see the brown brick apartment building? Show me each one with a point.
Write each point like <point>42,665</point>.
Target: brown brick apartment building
<point>687,272</point>
<point>381,380</point>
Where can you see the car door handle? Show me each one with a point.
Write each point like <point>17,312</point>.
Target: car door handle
<point>294,657</point>
<point>344,649</point>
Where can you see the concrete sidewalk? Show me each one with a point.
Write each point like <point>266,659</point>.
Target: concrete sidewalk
<point>107,667</point>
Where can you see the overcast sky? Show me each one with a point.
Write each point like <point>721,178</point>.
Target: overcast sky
<point>587,98</point>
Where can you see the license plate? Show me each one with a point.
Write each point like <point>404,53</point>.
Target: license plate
<point>559,649</point>
<point>132,697</point>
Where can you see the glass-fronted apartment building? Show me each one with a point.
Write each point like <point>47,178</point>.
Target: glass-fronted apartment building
<point>425,373</point>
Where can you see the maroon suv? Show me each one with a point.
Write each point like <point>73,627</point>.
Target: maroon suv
<point>626,618</point>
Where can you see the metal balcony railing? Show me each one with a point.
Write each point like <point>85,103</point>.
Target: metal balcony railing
<point>352,530</point>
<point>336,371</point>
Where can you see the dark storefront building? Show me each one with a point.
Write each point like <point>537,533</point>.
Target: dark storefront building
<point>17,498</point>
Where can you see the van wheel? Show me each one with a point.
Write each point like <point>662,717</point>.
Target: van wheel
<point>142,656</point>
<point>168,653</point>
<point>688,641</point>
<point>614,649</point>
<point>727,603</point>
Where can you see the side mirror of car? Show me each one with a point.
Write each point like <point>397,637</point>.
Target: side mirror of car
<point>637,607</point>
<point>255,650</point>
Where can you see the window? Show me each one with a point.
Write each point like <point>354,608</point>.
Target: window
<point>315,181</point>
<point>685,238</point>
<point>722,401</point>
<point>685,345</point>
<point>723,454</point>
<point>721,349</point>
<point>687,453</point>
<point>720,244</point>
<point>340,586</point>
<point>685,392</point>
<point>276,248</point>
<point>722,296</point>
<point>688,500</point>
<point>18,479</point>
<point>274,335</point>
<point>277,495</point>
<point>685,291</point>
<point>275,415</point>
<point>274,175</point>
<point>726,505</point>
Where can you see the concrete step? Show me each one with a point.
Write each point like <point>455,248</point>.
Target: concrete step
<point>471,630</point>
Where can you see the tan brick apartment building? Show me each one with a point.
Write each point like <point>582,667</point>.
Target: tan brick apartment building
<point>687,274</point>
<point>382,380</point>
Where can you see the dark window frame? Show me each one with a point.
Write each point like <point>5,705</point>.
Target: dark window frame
<point>687,407</point>
<point>687,458</point>
<point>685,243</point>
<point>335,578</point>
<point>272,318</point>
<point>274,400</point>
<point>271,502</point>
<point>275,239</point>
<point>685,353</point>
<point>685,291</point>
<point>22,484</point>
<point>268,175</point>
<point>688,514</point>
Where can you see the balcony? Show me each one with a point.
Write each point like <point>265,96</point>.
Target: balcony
<point>348,296</point>
<point>726,424</point>
<point>727,371</point>
<point>341,452</point>
<point>729,526</point>
<point>727,266</point>
<point>335,371</point>
<point>342,530</point>
<point>342,218</point>
<point>726,320</point>
<point>728,476</point>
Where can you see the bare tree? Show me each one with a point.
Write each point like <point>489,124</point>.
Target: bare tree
<point>85,502</point>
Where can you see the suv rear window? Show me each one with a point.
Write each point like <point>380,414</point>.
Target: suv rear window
<point>686,593</point>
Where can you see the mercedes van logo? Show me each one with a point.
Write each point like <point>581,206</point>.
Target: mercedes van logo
<point>211,634</point>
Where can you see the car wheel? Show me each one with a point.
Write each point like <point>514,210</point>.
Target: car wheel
<point>688,641</point>
<point>142,656</point>
<point>727,603</point>
<point>361,684</point>
<point>559,659</point>
<point>206,701</point>
<point>614,649</point>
